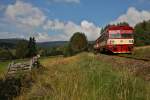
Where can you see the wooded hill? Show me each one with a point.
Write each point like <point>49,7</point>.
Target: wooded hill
<point>11,43</point>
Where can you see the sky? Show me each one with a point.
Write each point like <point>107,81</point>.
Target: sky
<point>57,20</point>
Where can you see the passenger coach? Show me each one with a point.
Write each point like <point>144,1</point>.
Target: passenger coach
<point>116,39</point>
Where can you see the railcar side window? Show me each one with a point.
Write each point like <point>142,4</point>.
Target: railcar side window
<point>113,36</point>
<point>127,35</point>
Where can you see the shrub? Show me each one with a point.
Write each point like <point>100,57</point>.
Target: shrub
<point>22,49</point>
<point>5,54</point>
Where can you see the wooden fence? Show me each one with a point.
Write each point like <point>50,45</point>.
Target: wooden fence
<point>14,68</point>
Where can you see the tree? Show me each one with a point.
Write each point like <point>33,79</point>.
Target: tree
<point>78,42</point>
<point>103,29</point>
<point>22,49</point>
<point>142,33</point>
<point>123,23</point>
<point>32,48</point>
<point>118,24</point>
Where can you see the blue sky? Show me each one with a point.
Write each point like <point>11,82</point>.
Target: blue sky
<point>54,20</point>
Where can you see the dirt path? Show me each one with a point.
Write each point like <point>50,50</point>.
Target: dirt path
<point>136,67</point>
<point>143,47</point>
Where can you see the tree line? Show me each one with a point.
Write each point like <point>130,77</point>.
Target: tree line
<point>23,49</point>
<point>28,48</point>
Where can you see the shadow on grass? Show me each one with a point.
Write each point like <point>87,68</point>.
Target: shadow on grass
<point>10,88</point>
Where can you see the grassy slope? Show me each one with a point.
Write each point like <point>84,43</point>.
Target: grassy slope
<point>140,53</point>
<point>83,77</point>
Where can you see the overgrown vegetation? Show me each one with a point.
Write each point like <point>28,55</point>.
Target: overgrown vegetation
<point>12,87</point>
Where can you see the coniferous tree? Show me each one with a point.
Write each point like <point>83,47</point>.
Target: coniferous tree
<point>32,48</point>
<point>123,23</point>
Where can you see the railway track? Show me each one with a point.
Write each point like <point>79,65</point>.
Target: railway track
<point>134,58</point>
<point>129,57</point>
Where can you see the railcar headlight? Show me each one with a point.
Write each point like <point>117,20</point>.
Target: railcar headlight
<point>131,41</point>
<point>112,41</point>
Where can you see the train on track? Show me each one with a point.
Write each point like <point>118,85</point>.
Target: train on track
<point>116,39</point>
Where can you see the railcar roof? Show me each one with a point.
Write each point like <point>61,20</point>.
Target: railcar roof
<point>113,27</point>
<point>120,28</point>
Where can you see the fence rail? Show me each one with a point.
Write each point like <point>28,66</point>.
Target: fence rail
<point>14,68</point>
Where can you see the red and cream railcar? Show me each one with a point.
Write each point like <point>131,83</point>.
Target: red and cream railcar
<point>116,39</point>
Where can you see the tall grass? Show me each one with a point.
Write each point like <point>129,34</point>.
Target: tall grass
<point>3,67</point>
<point>83,77</point>
<point>140,53</point>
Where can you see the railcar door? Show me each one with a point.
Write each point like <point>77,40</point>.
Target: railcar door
<point>122,48</point>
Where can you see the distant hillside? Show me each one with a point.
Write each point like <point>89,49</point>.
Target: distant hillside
<point>52,44</point>
<point>11,43</point>
<point>8,43</point>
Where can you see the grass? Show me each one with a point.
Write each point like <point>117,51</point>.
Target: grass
<point>3,67</point>
<point>139,53</point>
<point>83,77</point>
<point>142,53</point>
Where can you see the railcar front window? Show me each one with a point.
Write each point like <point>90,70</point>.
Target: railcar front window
<point>113,36</point>
<point>127,35</point>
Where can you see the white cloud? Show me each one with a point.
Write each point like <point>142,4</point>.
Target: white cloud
<point>24,14</point>
<point>133,16</point>
<point>68,28</point>
<point>5,35</point>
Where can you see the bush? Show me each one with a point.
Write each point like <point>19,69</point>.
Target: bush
<point>52,51</point>
<point>67,51</point>
<point>5,54</point>
<point>22,49</point>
